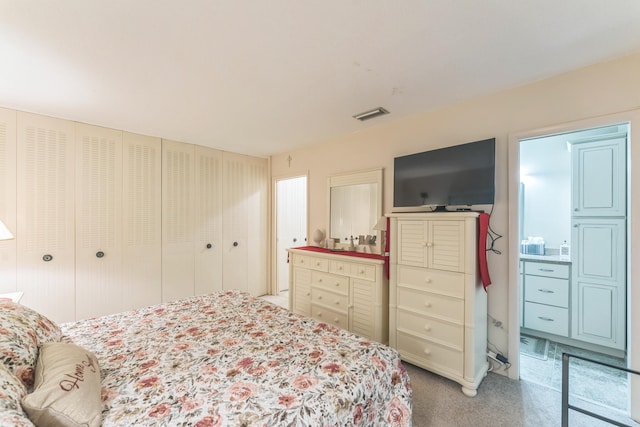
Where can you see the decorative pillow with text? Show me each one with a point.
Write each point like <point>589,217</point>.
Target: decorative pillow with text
<point>67,388</point>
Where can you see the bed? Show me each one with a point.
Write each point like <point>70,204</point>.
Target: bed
<point>226,359</point>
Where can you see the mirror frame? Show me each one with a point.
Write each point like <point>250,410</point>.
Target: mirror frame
<point>368,176</point>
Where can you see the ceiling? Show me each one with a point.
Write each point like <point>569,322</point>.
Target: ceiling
<point>267,77</point>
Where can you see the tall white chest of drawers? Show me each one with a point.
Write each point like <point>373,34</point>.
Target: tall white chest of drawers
<point>437,305</point>
<point>349,292</point>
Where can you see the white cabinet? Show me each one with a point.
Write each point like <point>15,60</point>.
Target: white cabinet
<point>349,292</point>
<point>546,297</point>
<point>599,276</point>
<point>46,215</point>
<point>599,176</point>
<point>599,284</point>
<point>438,307</point>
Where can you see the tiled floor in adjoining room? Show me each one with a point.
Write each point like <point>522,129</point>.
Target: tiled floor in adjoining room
<point>281,299</point>
<point>597,384</point>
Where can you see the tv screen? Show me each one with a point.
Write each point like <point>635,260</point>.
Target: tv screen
<point>461,175</point>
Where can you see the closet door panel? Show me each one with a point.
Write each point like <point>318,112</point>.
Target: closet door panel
<point>257,225</point>
<point>8,198</point>
<point>178,202</point>
<point>45,206</point>
<point>99,285</point>
<point>208,220</point>
<point>236,216</point>
<point>141,220</point>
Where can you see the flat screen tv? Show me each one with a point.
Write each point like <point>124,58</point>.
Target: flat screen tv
<point>459,176</point>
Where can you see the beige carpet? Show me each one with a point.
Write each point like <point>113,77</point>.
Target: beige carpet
<point>439,402</point>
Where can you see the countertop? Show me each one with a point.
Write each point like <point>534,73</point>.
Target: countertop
<point>545,258</point>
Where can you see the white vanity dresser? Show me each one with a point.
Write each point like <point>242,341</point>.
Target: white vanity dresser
<point>346,289</point>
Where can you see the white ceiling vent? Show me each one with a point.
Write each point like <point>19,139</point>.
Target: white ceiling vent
<point>371,114</point>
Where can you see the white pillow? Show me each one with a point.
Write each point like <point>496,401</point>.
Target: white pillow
<point>67,390</point>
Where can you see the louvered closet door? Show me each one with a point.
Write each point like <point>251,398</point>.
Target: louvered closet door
<point>8,198</point>
<point>99,285</point>
<point>178,202</point>
<point>142,220</point>
<point>208,220</point>
<point>245,223</point>
<point>45,206</point>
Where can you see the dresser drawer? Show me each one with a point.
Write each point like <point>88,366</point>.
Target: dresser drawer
<point>431,354</point>
<point>560,271</point>
<point>314,263</point>
<point>442,282</point>
<point>546,290</point>
<point>335,318</point>
<point>432,329</point>
<point>363,271</point>
<point>546,318</point>
<point>353,269</point>
<point>330,282</point>
<point>429,304</point>
<point>332,300</point>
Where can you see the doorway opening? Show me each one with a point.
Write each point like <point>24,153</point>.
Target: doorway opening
<point>290,226</point>
<point>573,231</point>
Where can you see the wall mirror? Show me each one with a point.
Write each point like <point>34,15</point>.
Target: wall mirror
<point>355,206</point>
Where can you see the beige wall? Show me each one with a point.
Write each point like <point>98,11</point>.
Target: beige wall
<point>599,90</point>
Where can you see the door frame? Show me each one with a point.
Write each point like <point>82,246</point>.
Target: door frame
<point>631,117</point>
<point>273,288</point>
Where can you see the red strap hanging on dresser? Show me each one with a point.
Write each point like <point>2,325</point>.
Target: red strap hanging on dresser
<point>482,250</point>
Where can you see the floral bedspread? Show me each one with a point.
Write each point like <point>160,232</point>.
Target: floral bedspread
<point>230,359</point>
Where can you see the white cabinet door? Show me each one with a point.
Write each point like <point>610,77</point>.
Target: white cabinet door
<point>599,177</point>
<point>245,223</point>
<point>99,288</point>
<point>141,220</point>
<point>45,206</point>
<point>599,281</point>
<point>208,220</point>
<point>432,244</point>
<point>178,202</point>
<point>8,198</point>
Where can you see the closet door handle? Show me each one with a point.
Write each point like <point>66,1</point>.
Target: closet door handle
<point>209,245</point>
<point>235,243</point>
<point>99,254</point>
<point>47,258</point>
<point>295,240</point>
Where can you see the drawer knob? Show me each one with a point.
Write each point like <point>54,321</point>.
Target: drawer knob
<point>318,264</point>
<point>337,283</point>
<point>361,271</point>
<point>427,304</point>
<point>319,314</point>
<point>340,268</point>
<point>427,328</point>
<point>429,245</point>
<point>427,280</point>
<point>546,319</point>
<point>308,293</point>
<point>319,280</point>
<point>301,261</point>
<point>319,296</point>
<point>336,320</point>
<point>427,352</point>
<point>337,302</point>
<point>546,291</point>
